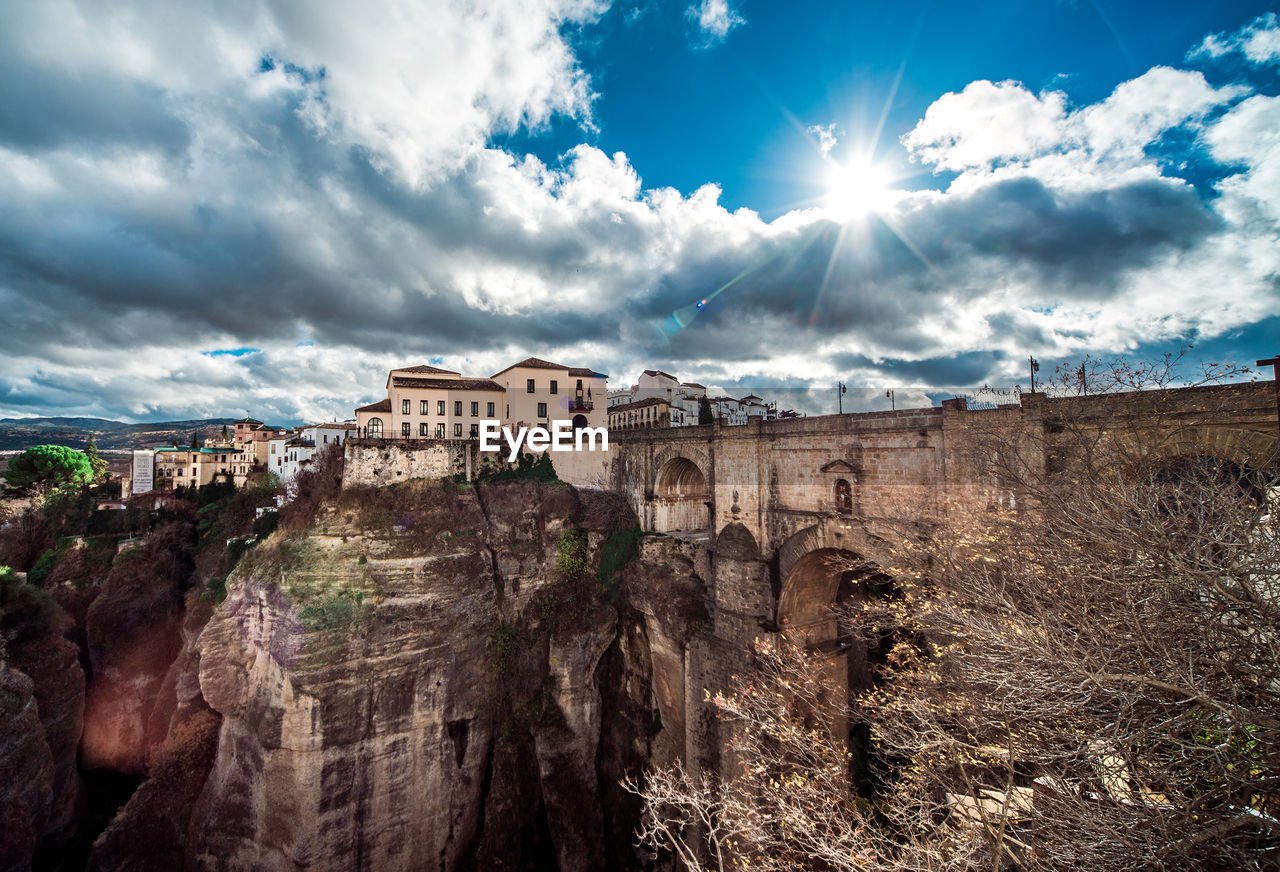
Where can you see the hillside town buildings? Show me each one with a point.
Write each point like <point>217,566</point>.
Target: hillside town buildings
<point>249,447</point>
<point>659,399</point>
<point>427,402</point>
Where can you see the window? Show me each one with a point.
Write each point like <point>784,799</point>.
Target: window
<point>475,410</point>
<point>542,410</point>
<point>326,440</point>
<point>844,497</point>
<point>439,431</point>
<point>404,427</point>
<point>423,406</point>
<point>375,428</point>
<point>489,409</point>
<point>554,386</point>
<point>529,386</point>
<point>404,406</point>
<point>475,430</point>
<point>457,407</point>
<point>579,385</point>
<point>422,429</point>
<point>508,410</point>
<point>457,431</point>
<point>439,407</point>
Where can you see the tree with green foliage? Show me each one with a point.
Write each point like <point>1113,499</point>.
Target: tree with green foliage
<point>195,440</point>
<point>224,432</point>
<point>96,460</point>
<point>705,415</point>
<point>45,468</point>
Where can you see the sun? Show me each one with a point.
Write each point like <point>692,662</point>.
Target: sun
<point>858,188</point>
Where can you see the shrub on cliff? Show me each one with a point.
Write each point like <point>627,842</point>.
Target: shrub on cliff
<point>27,610</point>
<point>621,548</point>
<point>529,467</point>
<point>319,483</point>
<point>23,540</point>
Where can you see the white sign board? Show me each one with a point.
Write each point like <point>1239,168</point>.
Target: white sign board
<point>144,464</point>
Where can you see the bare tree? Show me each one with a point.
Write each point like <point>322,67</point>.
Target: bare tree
<point>1085,672</point>
<point>789,802</point>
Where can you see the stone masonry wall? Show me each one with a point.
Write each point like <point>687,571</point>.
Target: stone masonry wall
<point>381,462</point>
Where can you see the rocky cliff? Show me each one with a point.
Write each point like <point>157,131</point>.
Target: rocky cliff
<point>418,676</point>
<point>413,682</point>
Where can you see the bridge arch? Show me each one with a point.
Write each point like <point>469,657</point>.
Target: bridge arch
<point>821,568</point>
<point>680,496</point>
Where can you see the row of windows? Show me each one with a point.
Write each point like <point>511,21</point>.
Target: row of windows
<point>555,386</point>
<point>406,409</point>
<point>407,405</point>
<point>407,431</point>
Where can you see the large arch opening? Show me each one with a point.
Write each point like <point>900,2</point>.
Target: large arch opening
<point>680,498</point>
<point>815,603</point>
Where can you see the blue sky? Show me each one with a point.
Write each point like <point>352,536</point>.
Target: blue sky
<point>207,207</point>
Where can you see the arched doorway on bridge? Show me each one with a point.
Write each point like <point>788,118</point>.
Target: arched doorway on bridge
<point>815,599</point>
<point>680,498</point>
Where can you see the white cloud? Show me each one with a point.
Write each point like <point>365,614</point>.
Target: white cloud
<point>994,130</point>
<point>987,124</point>
<point>825,135</point>
<point>715,19</point>
<point>420,85</point>
<point>1258,41</point>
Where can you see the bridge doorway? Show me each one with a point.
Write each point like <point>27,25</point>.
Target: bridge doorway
<point>680,498</point>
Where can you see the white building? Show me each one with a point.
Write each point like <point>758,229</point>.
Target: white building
<point>324,435</point>
<point>728,411</point>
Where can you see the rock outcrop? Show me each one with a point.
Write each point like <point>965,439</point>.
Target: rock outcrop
<point>409,684</point>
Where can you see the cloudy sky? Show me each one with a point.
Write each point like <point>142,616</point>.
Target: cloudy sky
<point>208,208</point>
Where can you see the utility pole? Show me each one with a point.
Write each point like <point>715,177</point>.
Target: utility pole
<point>1274,363</point>
<point>1035,368</point>
<point>840,389</point>
<point>892,401</point>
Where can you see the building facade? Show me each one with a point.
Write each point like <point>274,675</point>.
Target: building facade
<point>426,402</point>
<point>196,467</point>
<point>653,412</point>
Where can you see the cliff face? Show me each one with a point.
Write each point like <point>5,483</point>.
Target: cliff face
<point>413,683</point>
<point>133,633</point>
<point>26,772</point>
<point>422,676</point>
<point>42,691</point>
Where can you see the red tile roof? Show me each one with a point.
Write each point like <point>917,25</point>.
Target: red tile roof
<point>423,368</point>
<point>532,363</point>
<point>456,384</point>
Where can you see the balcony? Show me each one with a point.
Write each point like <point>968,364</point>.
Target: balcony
<point>578,404</point>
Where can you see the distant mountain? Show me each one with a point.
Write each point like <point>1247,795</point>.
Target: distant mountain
<point>22,433</point>
<point>95,424</point>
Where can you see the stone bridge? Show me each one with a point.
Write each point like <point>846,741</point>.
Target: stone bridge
<point>765,507</point>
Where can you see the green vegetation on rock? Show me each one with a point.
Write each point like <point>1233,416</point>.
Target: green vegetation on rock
<point>48,467</point>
